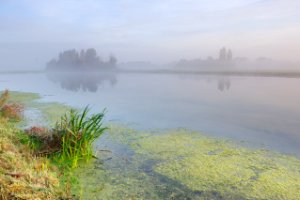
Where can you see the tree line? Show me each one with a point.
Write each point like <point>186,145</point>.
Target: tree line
<point>83,60</point>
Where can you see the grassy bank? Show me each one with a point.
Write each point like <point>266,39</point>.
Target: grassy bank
<point>37,162</point>
<point>23,175</point>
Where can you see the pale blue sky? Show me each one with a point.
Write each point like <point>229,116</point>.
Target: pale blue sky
<point>158,30</point>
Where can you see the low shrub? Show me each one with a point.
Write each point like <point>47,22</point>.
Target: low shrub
<point>42,140</point>
<point>3,98</point>
<point>38,131</point>
<point>12,111</point>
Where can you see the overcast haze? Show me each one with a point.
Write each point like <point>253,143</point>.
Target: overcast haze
<point>32,32</point>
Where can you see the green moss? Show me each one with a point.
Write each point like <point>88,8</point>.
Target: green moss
<point>23,98</point>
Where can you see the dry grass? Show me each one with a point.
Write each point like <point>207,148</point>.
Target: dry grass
<point>22,174</point>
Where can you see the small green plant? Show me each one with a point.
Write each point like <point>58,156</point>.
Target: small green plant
<point>78,131</point>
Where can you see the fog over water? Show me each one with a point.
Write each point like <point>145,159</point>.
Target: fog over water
<point>263,112</point>
<point>33,32</point>
<point>141,60</point>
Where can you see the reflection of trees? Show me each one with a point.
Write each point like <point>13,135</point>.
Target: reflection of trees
<point>82,81</point>
<point>224,84</point>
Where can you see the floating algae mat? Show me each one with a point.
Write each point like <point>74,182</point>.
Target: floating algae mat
<point>181,164</point>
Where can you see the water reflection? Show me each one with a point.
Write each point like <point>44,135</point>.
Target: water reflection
<point>88,82</point>
<point>261,110</point>
<point>223,82</point>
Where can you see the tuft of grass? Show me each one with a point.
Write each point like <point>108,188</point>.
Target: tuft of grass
<point>77,132</point>
<point>70,141</point>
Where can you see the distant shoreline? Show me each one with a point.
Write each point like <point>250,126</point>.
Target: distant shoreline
<point>255,73</point>
<point>285,74</point>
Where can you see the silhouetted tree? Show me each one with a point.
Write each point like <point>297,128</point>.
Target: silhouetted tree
<point>112,60</point>
<point>225,55</point>
<point>222,54</point>
<point>229,55</point>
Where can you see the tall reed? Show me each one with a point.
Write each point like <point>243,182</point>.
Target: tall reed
<point>78,131</point>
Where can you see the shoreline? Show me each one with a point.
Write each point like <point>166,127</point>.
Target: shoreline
<point>242,73</point>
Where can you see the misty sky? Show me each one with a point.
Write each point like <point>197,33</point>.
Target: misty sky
<point>34,31</point>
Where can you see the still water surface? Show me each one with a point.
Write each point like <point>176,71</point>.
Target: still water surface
<point>263,112</point>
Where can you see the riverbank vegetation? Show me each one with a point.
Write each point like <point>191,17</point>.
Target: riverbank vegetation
<point>35,163</point>
<point>22,174</point>
<point>70,141</point>
<point>11,111</point>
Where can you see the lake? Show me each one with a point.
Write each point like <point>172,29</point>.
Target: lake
<point>259,111</point>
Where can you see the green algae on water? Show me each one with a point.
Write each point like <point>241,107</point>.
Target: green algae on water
<point>182,164</point>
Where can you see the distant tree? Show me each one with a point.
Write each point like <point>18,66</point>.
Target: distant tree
<point>90,54</point>
<point>82,56</point>
<point>91,57</point>
<point>225,55</point>
<point>112,61</point>
<point>209,58</point>
<point>229,55</point>
<point>222,54</point>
